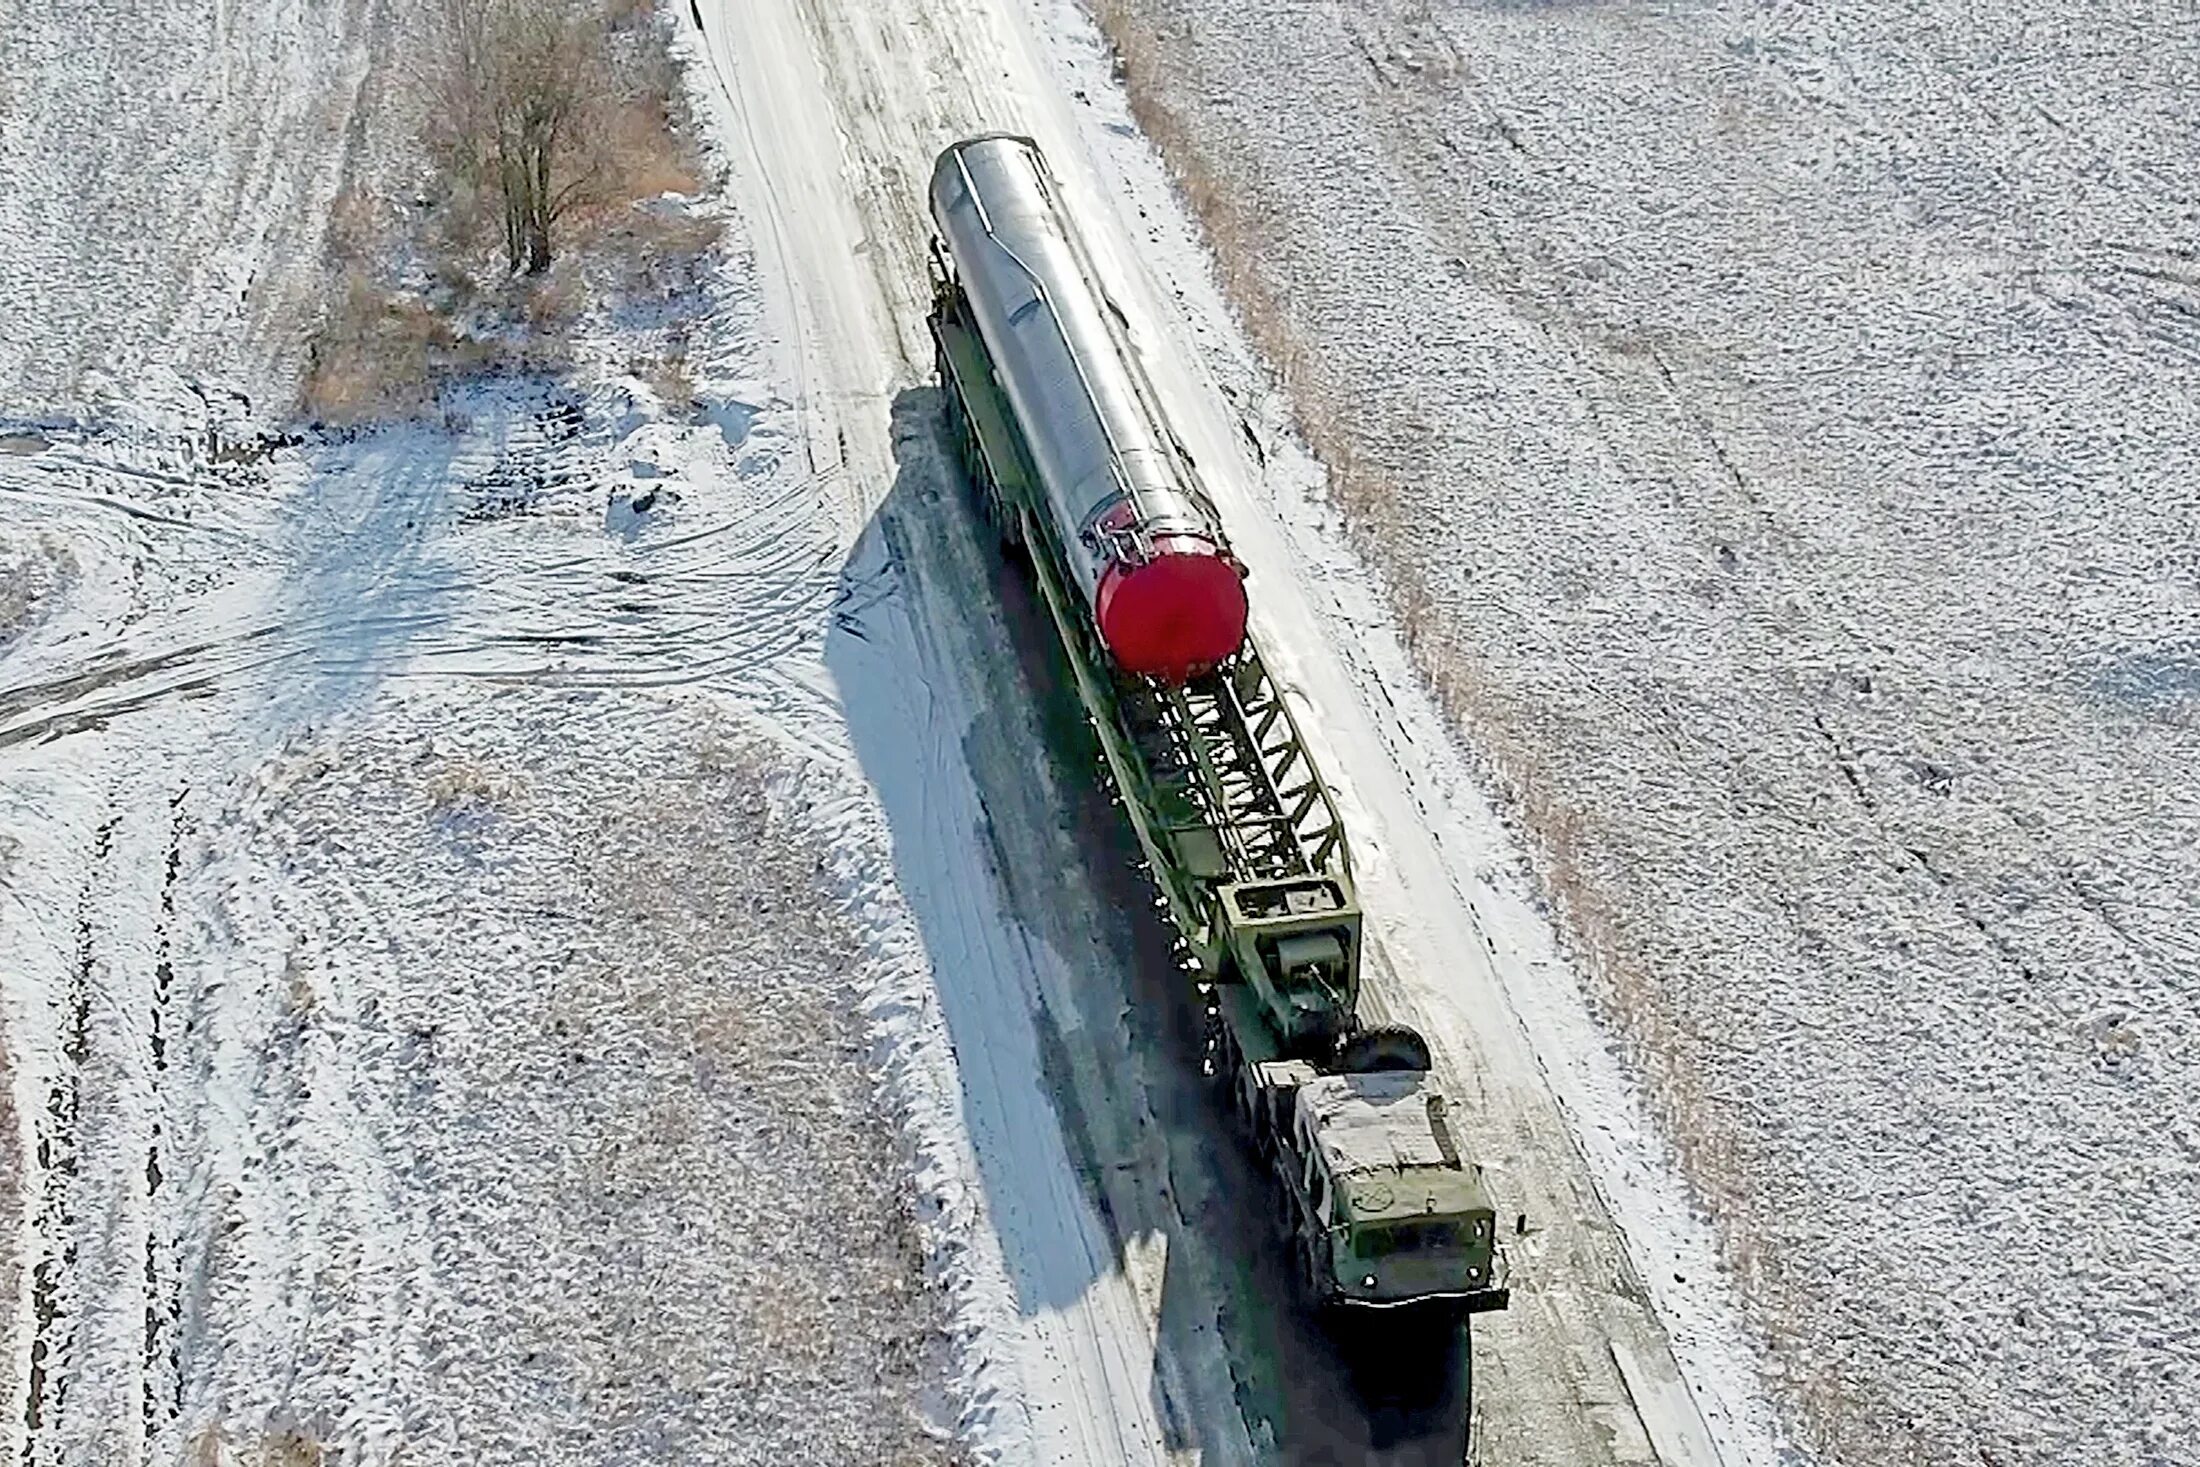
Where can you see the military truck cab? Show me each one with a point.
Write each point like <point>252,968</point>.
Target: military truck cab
<point>1388,1214</point>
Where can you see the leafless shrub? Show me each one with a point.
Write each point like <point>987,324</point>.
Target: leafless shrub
<point>376,353</point>
<point>566,113</point>
<point>650,167</point>
<point>668,377</point>
<point>648,135</point>
<point>556,174</point>
<point>524,95</point>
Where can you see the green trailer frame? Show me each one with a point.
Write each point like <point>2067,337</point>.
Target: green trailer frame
<point>1242,835</point>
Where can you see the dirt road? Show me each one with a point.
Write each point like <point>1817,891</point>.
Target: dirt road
<point>833,117</point>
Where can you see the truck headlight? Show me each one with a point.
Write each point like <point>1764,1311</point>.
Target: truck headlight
<point>1368,1282</point>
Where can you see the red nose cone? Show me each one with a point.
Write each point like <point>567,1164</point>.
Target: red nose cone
<point>1179,613</point>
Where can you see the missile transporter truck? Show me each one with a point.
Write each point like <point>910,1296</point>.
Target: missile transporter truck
<point>1062,434</point>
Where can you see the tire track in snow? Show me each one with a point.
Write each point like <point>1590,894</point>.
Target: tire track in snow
<point>93,1027</point>
<point>162,1387</point>
<point>55,1214</point>
<point>324,1214</point>
<point>437,569</point>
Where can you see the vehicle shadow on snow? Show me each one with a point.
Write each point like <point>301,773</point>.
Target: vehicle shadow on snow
<point>1061,993</point>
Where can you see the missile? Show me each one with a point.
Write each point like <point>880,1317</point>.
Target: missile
<point>1130,525</point>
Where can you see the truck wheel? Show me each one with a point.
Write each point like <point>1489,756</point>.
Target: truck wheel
<point>1384,1047</point>
<point>1310,1275</point>
<point>1284,1207</point>
<point>1230,1077</point>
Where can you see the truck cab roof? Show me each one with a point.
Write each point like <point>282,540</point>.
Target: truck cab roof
<point>1386,1141</point>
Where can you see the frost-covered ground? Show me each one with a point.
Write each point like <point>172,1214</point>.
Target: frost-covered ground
<point>1781,423</point>
<point>532,996</point>
<point>437,991</point>
<point>165,176</point>
<point>455,999</point>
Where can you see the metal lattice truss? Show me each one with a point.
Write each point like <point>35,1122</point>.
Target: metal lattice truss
<point>1232,780</point>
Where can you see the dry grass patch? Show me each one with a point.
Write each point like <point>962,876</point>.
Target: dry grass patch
<point>218,1446</point>
<point>376,354</point>
<point>648,143</point>
<point>668,377</point>
<point>435,273</point>
<point>466,785</point>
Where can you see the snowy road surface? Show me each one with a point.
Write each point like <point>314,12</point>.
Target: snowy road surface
<point>833,119</point>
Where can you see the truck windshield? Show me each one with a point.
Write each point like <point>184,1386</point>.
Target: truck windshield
<point>1405,1237</point>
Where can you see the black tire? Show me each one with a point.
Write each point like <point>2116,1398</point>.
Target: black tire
<point>1383,1048</point>
<point>1283,1206</point>
<point>1227,1079</point>
<point>1307,1275</point>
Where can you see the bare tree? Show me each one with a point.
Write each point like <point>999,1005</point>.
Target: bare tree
<point>523,94</point>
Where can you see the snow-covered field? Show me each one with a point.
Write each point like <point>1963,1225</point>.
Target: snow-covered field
<point>165,176</point>
<point>438,992</point>
<point>1780,422</point>
<point>594,1161</point>
<point>455,998</point>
